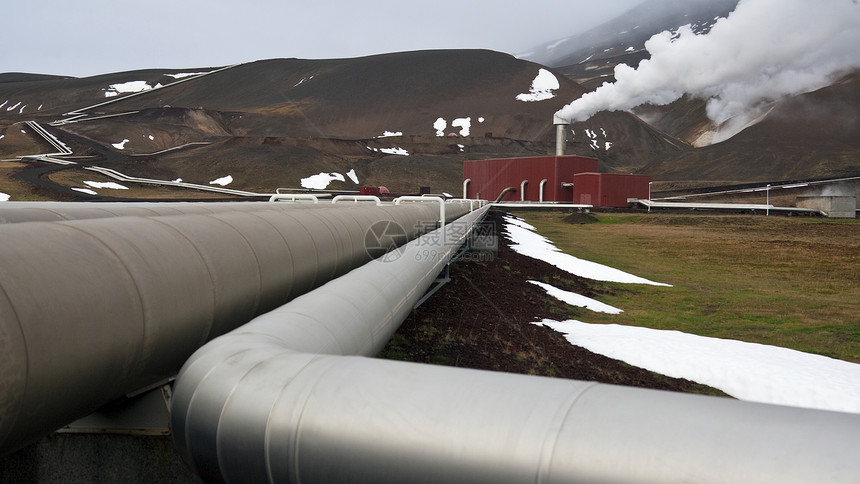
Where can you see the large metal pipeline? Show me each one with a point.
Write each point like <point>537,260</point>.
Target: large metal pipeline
<point>16,212</point>
<point>273,401</point>
<point>91,310</point>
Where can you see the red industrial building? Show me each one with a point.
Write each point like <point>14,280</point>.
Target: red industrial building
<point>538,178</point>
<point>609,189</point>
<point>562,178</point>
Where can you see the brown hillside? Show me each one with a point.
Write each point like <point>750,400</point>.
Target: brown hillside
<point>271,123</point>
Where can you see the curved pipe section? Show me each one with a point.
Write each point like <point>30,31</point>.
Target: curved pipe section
<point>504,192</point>
<point>347,316</point>
<point>95,309</point>
<point>273,401</point>
<point>523,190</point>
<point>542,189</point>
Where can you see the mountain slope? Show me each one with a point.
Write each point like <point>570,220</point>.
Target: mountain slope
<point>402,120</point>
<point>589,57</point>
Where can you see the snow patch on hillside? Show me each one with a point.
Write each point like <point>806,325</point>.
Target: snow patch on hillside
<point>120,145</point>
<point>223,181</point>
<point>352,176</point>
<point>388,134</point>
<point>303,80</point>
<point>464,124</point>
<point>542,87</point>
<point>111,185</point>
<point>128,87</point>
<point>439,125</point>
<point>180,75</point>
<point>390,151</point>
<point>85,190</point>
<point>595,143</point>
<point>320,181</point>
<point>4,197</point>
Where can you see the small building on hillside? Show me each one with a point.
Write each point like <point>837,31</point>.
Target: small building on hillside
<point>534,179</point>
<point>609,189</point>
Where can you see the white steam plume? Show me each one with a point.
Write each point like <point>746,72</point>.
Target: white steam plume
<point>762,51</point>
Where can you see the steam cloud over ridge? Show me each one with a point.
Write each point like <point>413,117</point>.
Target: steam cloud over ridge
<point>763,50</point>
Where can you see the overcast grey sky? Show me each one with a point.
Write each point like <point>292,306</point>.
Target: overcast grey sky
<point>90,37</point>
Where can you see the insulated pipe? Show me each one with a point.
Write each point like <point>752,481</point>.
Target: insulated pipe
<point>349,315</point>
<point>466,187</point>
<point>503,193</point>
<point>272,402</point>
<point>91,310</point>
<point>523,190</point>
<point>14,212</point>
<point>542,188</point>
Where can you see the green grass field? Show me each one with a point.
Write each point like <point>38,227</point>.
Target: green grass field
<point>791,282</point>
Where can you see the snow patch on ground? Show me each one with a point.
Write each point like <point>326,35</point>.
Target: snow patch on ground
<point>464,124</point>
<point>321,180</point>
<point>575,299</point>
<point>387,134</point>
<point>525,241</point>
<point>111,185</point>
<point>390,151</point>
<point>352,176</point>
<point>180,75</point>
<point>303,80</point>
<point>439,125</point>
<point>223,181</point>
<point>748,371</point>
<point>120,145</point>
<point>128,87</point>
<point>541,88</point>
<point>595,144</point>
<point>4,197</point>
<point>85,190</point>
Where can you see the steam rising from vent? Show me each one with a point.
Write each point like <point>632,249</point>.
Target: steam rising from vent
<point>764,50</point>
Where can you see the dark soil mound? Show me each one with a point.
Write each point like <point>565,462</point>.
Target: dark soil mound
<point>580,218</point>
